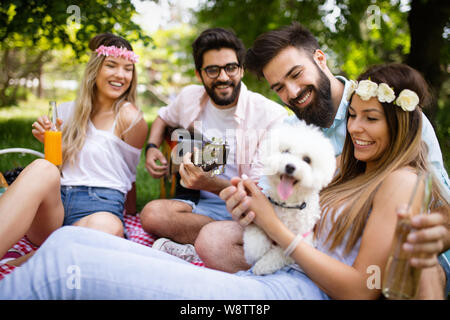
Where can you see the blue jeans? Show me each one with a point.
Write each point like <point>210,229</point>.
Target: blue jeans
<point>445,264</point>
<point>81,201</point>
<point>212,207</point>
<point>81,263</point>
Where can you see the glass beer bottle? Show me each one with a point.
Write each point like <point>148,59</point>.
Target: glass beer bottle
<point>53,139</point>
<point>401,280</point>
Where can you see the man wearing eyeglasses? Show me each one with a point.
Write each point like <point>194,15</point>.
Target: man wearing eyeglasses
<point>222,108</point>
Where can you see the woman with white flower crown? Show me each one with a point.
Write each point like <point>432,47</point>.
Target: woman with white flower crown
<point>102,136</point>
<point>383,155</point>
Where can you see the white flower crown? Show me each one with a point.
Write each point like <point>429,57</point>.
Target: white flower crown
<point>408,100</point>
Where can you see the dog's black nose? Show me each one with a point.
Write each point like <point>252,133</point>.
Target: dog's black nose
<point>289,168</point>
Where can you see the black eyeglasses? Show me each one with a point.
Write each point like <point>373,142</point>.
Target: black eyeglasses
<point>231,69</point>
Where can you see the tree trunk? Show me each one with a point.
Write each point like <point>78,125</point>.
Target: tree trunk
<point>426,20</point>
<point>40,89</point>
<point>4,80</point>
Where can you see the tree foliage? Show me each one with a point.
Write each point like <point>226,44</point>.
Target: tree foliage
<point>353,33</point>
<point>31,30</point>
<point>168,64</point>
<point>56,24</point>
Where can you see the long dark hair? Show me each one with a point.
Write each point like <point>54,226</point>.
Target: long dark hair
<point>353,189</point>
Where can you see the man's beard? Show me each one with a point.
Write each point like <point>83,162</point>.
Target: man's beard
<point>320,111</point>
<point>223,101</point>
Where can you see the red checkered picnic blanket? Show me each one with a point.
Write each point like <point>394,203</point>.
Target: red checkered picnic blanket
<point>134,231</point>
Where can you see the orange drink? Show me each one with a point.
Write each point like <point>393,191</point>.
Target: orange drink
<point>53,147</point>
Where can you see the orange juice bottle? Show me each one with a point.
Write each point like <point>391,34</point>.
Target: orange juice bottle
<point>52,139</point>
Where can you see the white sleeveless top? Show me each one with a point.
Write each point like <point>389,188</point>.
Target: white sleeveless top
<point>339,252</point>
<point>104,160</point>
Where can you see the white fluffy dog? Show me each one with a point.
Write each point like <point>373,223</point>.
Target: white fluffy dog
<point>299,163</point>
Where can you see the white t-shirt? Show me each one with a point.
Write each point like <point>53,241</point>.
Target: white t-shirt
<point>220,124</point>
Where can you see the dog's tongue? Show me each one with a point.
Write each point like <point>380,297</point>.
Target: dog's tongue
<point>285,187</point>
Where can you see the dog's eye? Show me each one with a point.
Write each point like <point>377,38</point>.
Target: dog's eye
<point>285,151</point>
<point>307,159</point>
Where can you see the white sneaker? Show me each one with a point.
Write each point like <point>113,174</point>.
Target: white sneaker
<point>182,251</point>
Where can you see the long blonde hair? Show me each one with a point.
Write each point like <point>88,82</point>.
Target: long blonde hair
<point>353,190</point>
<point>74,132</point>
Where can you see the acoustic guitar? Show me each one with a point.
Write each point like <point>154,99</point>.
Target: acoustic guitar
<point>210,155</point>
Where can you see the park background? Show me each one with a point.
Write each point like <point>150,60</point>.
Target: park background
<point>43,50</point>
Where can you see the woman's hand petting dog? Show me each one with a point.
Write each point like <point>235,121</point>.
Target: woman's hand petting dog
<point>238,202</point>
<point>243,199</point>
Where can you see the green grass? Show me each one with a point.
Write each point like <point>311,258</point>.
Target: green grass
<point>15,132</point>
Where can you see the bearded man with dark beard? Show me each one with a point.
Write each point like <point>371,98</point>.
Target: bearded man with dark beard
<point>291,61</point>
<point>320,111</point>
<point>222,108</point>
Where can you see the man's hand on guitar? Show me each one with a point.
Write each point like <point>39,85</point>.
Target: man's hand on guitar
<point>152,156</point>
<point>193,177</point>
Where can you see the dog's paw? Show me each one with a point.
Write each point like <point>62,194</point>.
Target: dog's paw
<point>272,261</point>
<point>262,268</point>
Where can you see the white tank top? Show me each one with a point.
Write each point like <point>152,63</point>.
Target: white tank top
<point>220,123</point>
<point>104,161</point>
<point>339,252</point>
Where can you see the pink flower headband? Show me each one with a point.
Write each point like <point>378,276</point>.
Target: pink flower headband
<point>116,52</point>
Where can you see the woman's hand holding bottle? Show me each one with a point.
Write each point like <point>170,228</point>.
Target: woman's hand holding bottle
<point>43,124</point>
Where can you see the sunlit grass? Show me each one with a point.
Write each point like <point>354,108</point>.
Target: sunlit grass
<point>30,109</point>
<point>35,107</point>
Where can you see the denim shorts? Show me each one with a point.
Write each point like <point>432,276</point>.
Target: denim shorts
<point>81,201</point>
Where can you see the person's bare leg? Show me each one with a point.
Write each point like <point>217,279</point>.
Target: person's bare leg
<point>21,260</point>
<point>31,205</point>
<point>172,219</point>
<point>220,246</point>
<point>102,221</point>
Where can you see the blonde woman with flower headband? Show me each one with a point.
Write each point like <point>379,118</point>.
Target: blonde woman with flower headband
<point>383,155</point>
<point>102,135</point>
